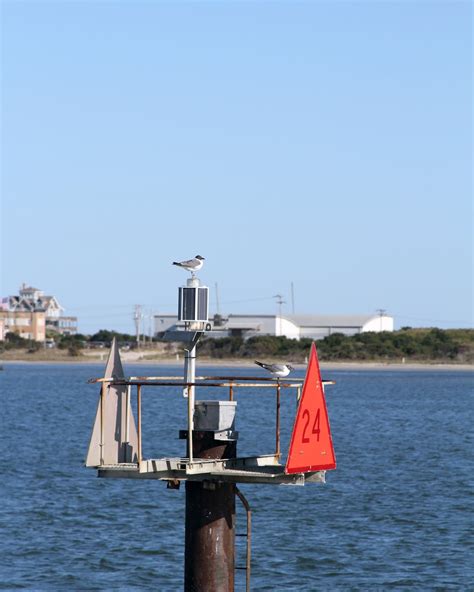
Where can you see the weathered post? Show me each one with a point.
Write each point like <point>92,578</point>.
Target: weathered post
<point>210,505</point>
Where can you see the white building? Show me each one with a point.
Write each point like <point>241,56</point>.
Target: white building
<point>30,299</point>
<point>291,326</point>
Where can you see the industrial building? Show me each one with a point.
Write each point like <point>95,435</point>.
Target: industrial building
<point>291,326</point>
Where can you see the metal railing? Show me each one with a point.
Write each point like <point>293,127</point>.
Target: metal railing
<point>230,382</point>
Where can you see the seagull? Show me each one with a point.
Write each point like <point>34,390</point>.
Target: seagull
<point>191,265</point>
<point>279,370</point>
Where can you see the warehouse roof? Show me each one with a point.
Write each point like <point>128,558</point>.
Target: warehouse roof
<point>315,320</point>
<point>329,320</point>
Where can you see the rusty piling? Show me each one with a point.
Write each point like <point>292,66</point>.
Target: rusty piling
<point>210,523</point>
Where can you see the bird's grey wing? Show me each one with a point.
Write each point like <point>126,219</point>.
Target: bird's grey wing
<point>190,263</point>
<point>278,367</point>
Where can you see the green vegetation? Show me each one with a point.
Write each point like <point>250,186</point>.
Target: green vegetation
<point>14,341</point>
<point>412,345</point>
<point>74,344</point>
<point>71,341</point>
<point>105,336</point>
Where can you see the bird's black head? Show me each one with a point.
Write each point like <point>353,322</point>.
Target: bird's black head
<point>199,257</point>
<point>290,367</point>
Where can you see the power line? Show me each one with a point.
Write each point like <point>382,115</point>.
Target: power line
<point>248,300</point>
<point>413,318</point>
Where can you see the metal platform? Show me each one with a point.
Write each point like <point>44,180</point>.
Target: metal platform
<point>254,469</point>
<point>115,448</point>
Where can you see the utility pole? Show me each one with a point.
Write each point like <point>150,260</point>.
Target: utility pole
<point>137,317</point>
<point>217,300</point>
<point>279,301</point>
<point>150,325</point>
<point>381,312</point>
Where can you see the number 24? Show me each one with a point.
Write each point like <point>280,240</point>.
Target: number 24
<point>315,429</point>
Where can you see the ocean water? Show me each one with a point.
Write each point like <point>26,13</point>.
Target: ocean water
<point>396,514</point>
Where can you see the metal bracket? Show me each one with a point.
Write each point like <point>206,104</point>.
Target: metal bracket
<point>188,337</point>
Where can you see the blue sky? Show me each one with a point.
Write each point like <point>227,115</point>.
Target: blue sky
<point>327,144</point>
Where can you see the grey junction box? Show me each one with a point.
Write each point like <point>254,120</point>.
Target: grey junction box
<point>216,416</point>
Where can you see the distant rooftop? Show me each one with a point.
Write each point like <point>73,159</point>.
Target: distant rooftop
<point>307,320</point>
<point>330,320</point>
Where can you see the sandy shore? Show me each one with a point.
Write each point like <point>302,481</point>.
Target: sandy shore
<point>140,359</point>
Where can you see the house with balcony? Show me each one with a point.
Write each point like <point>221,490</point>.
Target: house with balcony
<point>25,324</point>
<point>31,313</point>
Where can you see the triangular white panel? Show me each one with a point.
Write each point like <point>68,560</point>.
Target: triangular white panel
<point>115,447</point>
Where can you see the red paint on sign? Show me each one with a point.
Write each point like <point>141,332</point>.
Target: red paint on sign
<point>311,446</point>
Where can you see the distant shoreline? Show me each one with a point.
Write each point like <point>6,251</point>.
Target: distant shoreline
<point>359,365</point>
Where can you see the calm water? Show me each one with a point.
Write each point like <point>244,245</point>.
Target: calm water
<point>397,514</point>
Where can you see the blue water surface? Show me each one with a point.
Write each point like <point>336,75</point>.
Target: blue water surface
<point>396,514</point>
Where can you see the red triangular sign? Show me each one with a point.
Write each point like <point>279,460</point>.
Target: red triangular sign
<point>311,446</point>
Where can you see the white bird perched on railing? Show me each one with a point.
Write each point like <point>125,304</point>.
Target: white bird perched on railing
<point>279,370</point>
<point>191,265</point>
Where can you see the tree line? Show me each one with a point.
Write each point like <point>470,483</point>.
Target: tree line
<point>73,343</point>
<point>446,345</point>
<point>453,345</point>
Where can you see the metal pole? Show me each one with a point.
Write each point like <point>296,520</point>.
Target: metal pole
<point>217,300</point>
<point>127,414</point>
<point>139,422</point>
<point>277,428</point>
<point>138,319</point>
<point>248,555</point>
<point>190,369</point>
<point>102,422</point>
<point>190,423</point>
<point>190,376</point>
<point>381,312</point>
